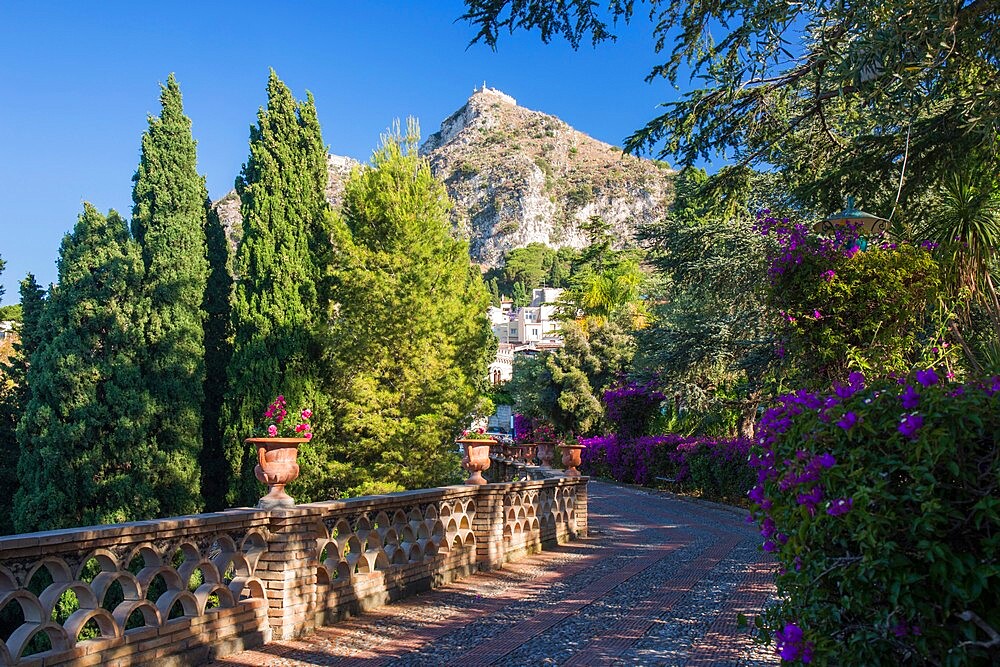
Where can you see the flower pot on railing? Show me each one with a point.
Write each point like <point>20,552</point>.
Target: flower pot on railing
<point>546,450</point>
<point>476,458</point>
<point>528,453</point>
<point>508,451</point>
<point>571,458</point>
<point>277,465</point>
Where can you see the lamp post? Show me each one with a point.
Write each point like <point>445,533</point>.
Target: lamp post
<point>865,224</point>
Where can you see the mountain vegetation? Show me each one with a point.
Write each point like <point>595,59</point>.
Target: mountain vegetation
<point>519,176</point>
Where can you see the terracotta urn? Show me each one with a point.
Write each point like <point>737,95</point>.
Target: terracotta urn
<point>571,459</point>
<point>276,466</point>
<point>528,453</point>
<point>546,450</point>
<point>509,451</point>
<point>476,459</point>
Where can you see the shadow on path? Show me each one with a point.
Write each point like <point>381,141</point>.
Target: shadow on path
<point>660,581</point>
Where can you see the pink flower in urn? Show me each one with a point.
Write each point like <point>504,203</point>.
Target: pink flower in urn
<point>277,426</point>
<point>308,436</point>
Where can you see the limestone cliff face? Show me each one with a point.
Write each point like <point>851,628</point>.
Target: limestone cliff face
<point>519,176</point>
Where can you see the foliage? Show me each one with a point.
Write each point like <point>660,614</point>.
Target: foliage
<point>529,430</point>
<point>830,94</point>
<point>562,386</point>
<point>535,265</point>
<point>498,395</point>
<point>280,299</point>
<point>10,313</point>
<point>966,223</point>
<point>845,309</point>
<point>711,341</point>
<point>714,468</point>
<point>475,434</point>
<point>218,351</point>
<point>881,504</point>
<point>15,393</point>
<point>605,284</point>
<point>613,293</point>
<point>631,407</point>
<point>494,286</point>
<point>410,344</point>
<point>168,222</point>
<point>520,295</point>
<point>86,454</point>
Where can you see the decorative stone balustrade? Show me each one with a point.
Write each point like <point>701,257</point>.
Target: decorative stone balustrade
<point>184,590</point>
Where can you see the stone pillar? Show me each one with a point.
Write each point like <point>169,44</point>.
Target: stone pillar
<point>288,571</point>
<point>488,527</point>
<point>580,507</point>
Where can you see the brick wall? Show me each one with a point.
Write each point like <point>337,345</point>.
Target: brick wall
<point>185,590</point>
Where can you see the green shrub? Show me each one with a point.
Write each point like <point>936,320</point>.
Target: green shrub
<point>580,196</point>
<point>846,308</point>
<point>882,506</point>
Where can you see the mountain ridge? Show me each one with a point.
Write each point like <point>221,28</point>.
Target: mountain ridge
<point>519,176</point>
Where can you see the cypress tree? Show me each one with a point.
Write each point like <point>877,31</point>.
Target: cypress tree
<point>278,300</point>
<point>86,456</point>
<point>218,349</point>
<point>14,395</point>
<point>168,222</point>
<point>411,343</point>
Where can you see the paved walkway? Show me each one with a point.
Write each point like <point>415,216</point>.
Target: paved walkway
<point>660,581</point>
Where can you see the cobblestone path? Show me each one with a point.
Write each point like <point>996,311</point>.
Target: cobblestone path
<point>659,581</point>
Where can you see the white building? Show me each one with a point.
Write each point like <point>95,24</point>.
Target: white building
<point>524,330</point>
<point>502,367</point>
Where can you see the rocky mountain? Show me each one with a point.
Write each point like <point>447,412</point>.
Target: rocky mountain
<point>519,176</point>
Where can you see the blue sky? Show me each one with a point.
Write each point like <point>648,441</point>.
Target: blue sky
<point>78,80</point>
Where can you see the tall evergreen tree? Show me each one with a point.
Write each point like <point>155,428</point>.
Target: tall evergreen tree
<point>86,456</point>
<point>411,343</point>
<point>14,394</point>
<point>218,350</point>
<point>168,221</point>
<point>279,299</point>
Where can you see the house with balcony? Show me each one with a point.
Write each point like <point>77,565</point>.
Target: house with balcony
<point>524,330</point>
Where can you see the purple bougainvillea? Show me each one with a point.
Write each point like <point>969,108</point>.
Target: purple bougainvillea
<point>639,460</point>
<point>631,408</point>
